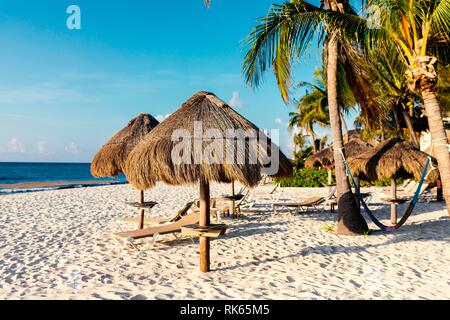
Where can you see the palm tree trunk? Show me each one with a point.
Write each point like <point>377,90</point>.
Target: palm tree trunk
<point>344,127</point>
<point>313,137</point>
<point>397,122</point>
<point>439,137</point>
<point>350,221</point>
<point>413,140</point>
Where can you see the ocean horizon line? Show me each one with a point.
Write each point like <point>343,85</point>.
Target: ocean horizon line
<point>43,162</point>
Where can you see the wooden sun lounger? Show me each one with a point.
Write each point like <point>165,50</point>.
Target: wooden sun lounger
<point>153,221</point>
<point>222,204</point>
<point>404,196</point>
<point>171,228</point>
<point>304,205</point>
<point>407,187</point>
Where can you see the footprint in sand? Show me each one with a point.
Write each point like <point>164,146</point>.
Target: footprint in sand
<point>290,279</point>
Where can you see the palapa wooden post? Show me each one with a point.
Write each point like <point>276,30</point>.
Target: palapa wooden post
<point>141,210</point>
<point>394,201</point>
<point>233,208</point>
<point>330,178</point>
<point>204,222</point>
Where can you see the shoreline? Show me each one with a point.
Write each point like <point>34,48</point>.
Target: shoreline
<point>25,187</point>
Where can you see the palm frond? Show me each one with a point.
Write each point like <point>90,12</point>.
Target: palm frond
<point>285,32</point>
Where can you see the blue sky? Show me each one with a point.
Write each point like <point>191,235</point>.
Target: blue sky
<point>64,92</point>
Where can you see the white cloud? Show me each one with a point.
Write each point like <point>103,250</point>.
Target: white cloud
<point>42,148</point>
<point>279,121</point>
<point>72,148</point>
<point>161,117</point>
<point>236,101</point>
<point>15,146</point>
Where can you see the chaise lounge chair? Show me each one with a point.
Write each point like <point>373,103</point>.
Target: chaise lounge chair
<point>302,206</point>
<point>170,228</point>
<point>404,195</point>
<point>155,221</point>
<point>222,206</point>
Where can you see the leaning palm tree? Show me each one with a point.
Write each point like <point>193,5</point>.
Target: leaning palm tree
<point>419,33</point>
<point>274,43</point>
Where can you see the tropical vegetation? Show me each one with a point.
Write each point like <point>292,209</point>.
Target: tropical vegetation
<point>391,60</point>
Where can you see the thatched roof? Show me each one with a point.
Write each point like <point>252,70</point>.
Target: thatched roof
<point>320,159</point>
<point>152,159</point>
<point>325,158</point>
<point>110,159</point>
<point>391,158</point>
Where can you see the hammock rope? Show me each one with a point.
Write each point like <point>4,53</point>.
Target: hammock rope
<point>411,206</point>
<point>434,143</point>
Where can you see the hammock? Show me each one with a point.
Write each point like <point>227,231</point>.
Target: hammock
<point>409,210</point>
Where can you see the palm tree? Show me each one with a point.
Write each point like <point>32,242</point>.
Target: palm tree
<point>419,33</point>
<point>323,142</point>
<point>275,42</point>
<point>299,140</point>
<point>312,108</point>
<point>388,89</point>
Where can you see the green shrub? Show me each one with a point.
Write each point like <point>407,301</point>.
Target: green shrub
<point>314,178</point>
<point>305,178</point>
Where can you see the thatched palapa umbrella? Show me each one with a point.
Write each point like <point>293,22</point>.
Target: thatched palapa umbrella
<point>203,141</point>
<point>325,158</point>
<point>109,161</point>
<point>392,159</point>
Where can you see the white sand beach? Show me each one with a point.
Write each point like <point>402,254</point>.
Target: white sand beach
<point>58,245</point>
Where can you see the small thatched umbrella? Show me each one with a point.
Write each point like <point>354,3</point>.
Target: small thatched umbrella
<point>392,159</point>
<point>109,161</point>
<point>179,151</point>
<point>325,158</point>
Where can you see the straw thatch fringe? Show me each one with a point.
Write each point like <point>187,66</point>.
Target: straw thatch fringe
<point>110,159</point>
<point>152,158</point>
<point>321,159</point>
<point>392,158</point>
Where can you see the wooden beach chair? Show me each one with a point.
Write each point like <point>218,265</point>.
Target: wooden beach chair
<point>261,192</point>
<point>170,228</point>
<point>330,199</point>
<point>222,206</point>
<point>404,196</point>
<point>407,186</point>
<point>154,221</point>
<point>304,206</point>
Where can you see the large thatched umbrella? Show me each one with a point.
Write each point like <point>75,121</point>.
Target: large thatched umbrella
<point>325,158</point>
<point>390,160</point>
<point>109,161</point>
<point>205,140</point>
